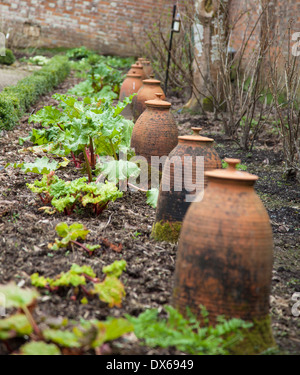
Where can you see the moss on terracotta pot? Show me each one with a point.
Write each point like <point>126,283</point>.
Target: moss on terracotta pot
<point>166,231</point>
<point>257,339</point>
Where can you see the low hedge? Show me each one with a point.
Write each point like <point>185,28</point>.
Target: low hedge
<point>15,100</point>
<point>8,59</point>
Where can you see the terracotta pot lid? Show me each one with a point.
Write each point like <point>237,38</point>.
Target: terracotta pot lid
<point>134,74</point>
<point>158,102</point>
<point>137,65</point>
<point>195,136</point>
<point>151,81</point>
<point>231,173</point>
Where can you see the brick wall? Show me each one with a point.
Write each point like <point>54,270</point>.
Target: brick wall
<point>107,26</point>
<point>111,27</point>
<point>280,12</point>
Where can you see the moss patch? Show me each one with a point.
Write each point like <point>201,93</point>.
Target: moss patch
<point>192,107</point>
<point>166,231</point>
<point>257,339</point>
<point>208,6</point>
<point>208,105</point>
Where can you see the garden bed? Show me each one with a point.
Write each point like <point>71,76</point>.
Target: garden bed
<point>25,232</point>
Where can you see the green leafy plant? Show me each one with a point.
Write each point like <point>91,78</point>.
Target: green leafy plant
<point>136,234</point>
<point>93,333</point>
<point>152,197</point>
<point>104,78</point>
<point>15,100</point>
<point>40,165</point>
<point>78,53</point>
<point>39,60</point>
<point>240,166</point>
<point>57,336</point>
<point>22,299</point>
<point>75,277</point>
<point>8,59</point>
<point>115,269</point>
<point>65,195</point>
<point>119,170</point>
<point>252,124</point>
<point>186,334</point>
<point>83,127</point>
<point>39,348</point>
<point>70,235</point>
<point>110,290</point>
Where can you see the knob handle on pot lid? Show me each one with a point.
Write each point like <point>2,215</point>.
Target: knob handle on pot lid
<point>231,172</point>
<point>158,102</point>
<point>196,136</point>
<point>196,131</point>
<point>232,163</point>
<point>134,74</point>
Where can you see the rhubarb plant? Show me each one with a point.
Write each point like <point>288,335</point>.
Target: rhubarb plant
<point>83,127</point>
<point>110,290</point>
<point>55,336</point>
<point>22,323</point>
<point>70,235</point>
<point>40,165</point>
<point>102,81</point>
<point>65,195</point>
<point>152,197</point>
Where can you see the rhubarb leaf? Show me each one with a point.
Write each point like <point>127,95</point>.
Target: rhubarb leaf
<point>39,348</point>
<point>14,325</point>
<point>152,197</point>
<point>16,296</point>
<point>111,291</point>
<point>115,269</point>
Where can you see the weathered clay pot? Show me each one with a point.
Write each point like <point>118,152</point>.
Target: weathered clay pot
<point>225,256</point>
<point>130,85</point>
<point>155,133</point>
<point>147,67</point>
<point>174,199</point>
<point>138,68</point>
<point>147,92</point>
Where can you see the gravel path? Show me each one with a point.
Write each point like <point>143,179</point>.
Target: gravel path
<point>10,77</point>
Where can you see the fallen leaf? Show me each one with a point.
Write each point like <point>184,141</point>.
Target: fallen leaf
<point>113,247</point>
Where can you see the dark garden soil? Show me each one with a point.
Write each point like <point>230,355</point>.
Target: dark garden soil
<point>26,231</point>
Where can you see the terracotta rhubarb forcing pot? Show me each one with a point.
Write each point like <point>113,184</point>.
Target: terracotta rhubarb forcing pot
<point>225,256</point>
<point>175,194</point>
<point>147,68</point>
<point>155,133</point>
<point>130,85</point>
<point>139,69</point>
<point>147,92</point>
<point>146,65</point>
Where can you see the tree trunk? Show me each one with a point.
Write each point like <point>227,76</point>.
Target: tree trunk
<point>209,31</point>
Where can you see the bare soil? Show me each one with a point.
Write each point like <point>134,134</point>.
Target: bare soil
<point>25,232</point>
